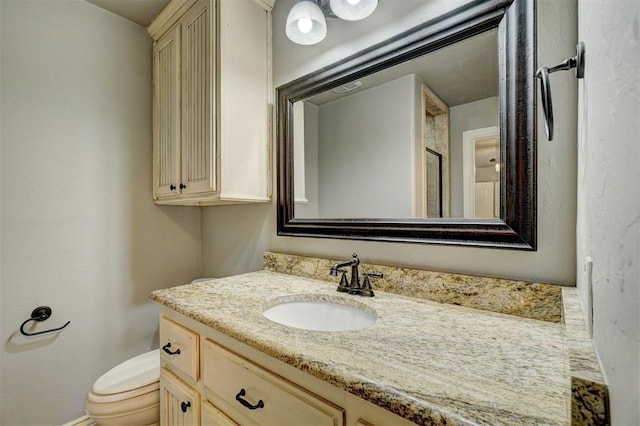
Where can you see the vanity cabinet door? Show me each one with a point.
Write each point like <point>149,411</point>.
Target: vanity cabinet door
<point>260,396</point>
<point>179,403</point>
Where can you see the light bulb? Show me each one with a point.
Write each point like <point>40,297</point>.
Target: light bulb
<point>305,25</point>
<point>353,10</point>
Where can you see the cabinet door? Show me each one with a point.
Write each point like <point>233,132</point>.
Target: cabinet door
<point>179,404</point>
<point>198,94</point>
<point>166,115</point>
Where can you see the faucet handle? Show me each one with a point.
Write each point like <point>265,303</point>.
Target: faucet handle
<point>343,287</point>
<point>366,289</point>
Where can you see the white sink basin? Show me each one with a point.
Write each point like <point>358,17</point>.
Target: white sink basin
<point>321,315</point>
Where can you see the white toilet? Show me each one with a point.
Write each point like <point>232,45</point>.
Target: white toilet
<point>128,394</point>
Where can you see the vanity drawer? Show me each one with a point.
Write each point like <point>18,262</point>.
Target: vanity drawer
<point>242,385</point>
<point>212,416</point>
<point>180,348</point>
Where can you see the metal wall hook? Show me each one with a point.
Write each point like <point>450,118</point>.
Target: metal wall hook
<point>39,314</point>
<point>576,62</point>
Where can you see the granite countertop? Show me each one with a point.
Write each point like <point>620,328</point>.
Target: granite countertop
<point>521,298</point>
<point>429,362</point>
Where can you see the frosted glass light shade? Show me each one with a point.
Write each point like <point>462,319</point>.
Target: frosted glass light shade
<point>306,23</point>
<point>353,10</point>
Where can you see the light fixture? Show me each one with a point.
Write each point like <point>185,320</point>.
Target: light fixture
<point>353,10</point>
<point>306,22</point>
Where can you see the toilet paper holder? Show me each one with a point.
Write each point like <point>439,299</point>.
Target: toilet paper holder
<point>39,314</point>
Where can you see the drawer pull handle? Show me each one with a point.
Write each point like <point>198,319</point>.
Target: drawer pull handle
<point>167,350</point>
<point>241,400</point>
<point>184,406</point>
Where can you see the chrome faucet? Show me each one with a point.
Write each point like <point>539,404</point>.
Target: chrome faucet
<point>353,287</point>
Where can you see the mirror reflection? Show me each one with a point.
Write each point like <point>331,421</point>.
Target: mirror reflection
<point>417,140</point>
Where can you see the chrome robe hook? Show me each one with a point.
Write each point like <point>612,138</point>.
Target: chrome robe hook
<point>576,62</point>
<point>39,314</point>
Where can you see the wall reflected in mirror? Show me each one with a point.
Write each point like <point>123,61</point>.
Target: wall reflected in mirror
<point>411,141</point>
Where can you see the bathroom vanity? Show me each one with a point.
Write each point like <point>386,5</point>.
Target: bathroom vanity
<point>420,362</point>
<point>230,383</point>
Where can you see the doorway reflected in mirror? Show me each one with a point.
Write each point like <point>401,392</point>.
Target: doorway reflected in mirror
<point>481,163</point>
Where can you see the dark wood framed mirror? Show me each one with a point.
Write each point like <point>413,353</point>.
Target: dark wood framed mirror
<point>514,225</point>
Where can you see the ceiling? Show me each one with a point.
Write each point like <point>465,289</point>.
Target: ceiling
<point>141,12</point>
<point>460,73</point>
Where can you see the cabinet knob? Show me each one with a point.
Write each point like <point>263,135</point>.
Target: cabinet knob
<point>184,406</point>
<point>183,186</point>
<point>172,187</point>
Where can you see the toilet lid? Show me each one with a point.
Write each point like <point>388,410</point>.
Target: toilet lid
<point>134,373</point>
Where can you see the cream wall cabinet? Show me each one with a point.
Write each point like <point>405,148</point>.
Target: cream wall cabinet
<point>235,384</point>
<point>212,102</point>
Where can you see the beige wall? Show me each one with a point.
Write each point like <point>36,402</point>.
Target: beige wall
<point>554,261</point>
<point>79,231</point>
<point>608,193</point>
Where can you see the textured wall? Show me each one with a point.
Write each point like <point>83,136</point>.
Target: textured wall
<point>608,193</point>
<point>79,229</point>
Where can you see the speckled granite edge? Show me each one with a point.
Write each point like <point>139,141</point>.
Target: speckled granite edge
<point>519,298</point>
<point>589,392</point>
